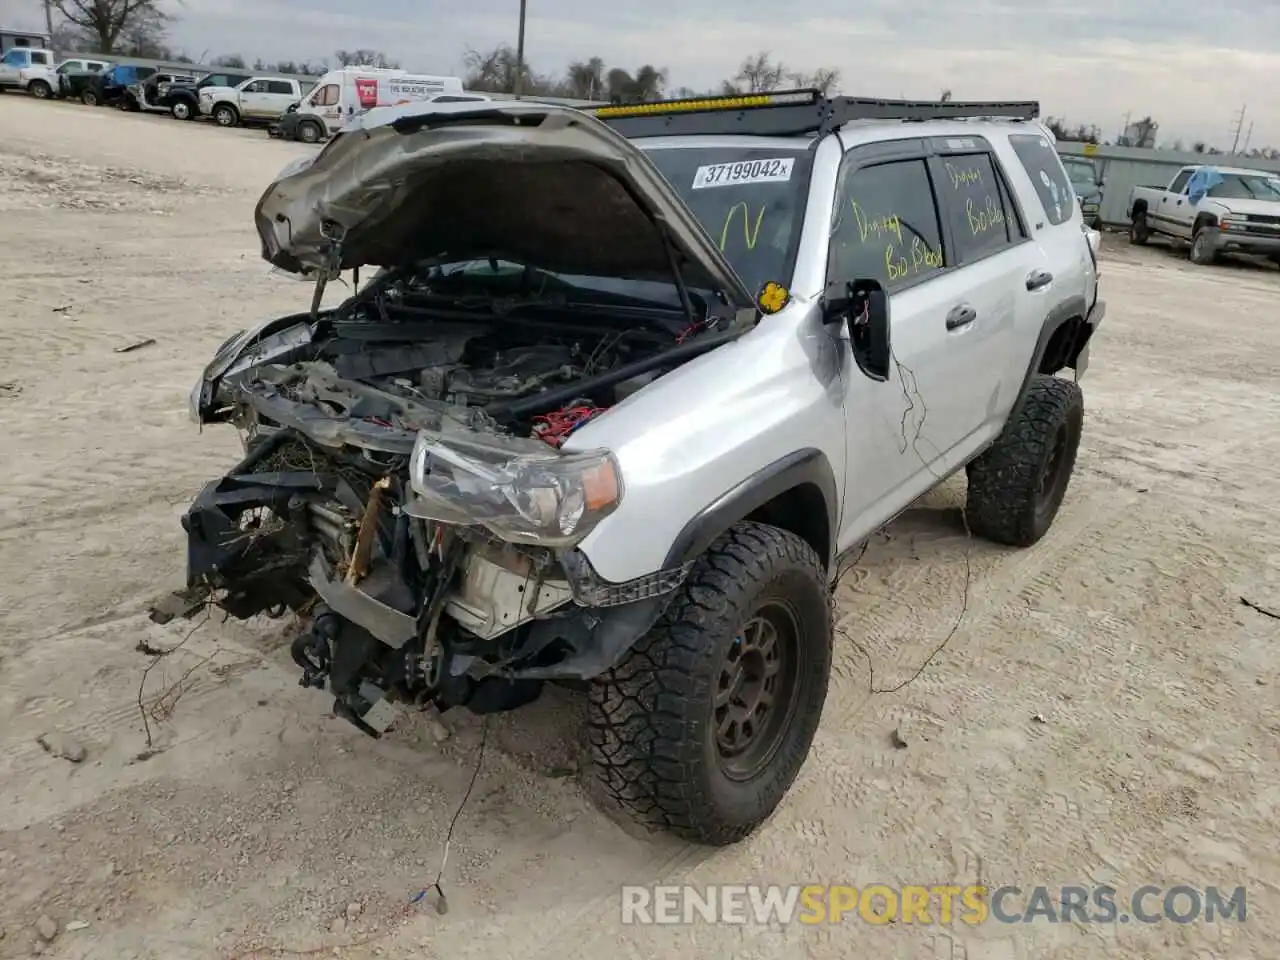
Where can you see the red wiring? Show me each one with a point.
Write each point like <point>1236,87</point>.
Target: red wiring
<point>555,427</point>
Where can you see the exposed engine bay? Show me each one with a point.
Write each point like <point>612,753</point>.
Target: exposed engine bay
<point>405,491</point>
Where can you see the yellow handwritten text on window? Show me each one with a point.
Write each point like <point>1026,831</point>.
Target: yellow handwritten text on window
<point>983,218</point>
<point>919,256</point>
<point>750,233</point>
<point>887,225</point>
<point>963,176</point>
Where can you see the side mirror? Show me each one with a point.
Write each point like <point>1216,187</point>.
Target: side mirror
<point>863,307</point>
<point>1101,183</point>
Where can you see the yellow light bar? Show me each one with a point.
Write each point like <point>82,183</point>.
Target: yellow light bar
<point>706,103</point>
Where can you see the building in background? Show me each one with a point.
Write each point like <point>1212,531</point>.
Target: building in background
<point>23,38</point>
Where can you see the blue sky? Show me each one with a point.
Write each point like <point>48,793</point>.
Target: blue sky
<point>1090,60</point>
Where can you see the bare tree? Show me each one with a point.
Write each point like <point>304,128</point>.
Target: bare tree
<point>232,60</point>
<point>585,79</point>
<point>945,96</point>
<point>759,73</point>
<point>495,71</point>
<point>364,58</point>
<point>139,23</point>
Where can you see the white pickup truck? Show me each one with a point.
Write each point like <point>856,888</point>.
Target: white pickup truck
<point>24,68</point>
<point>1223,210</point>
<point>256,100</point>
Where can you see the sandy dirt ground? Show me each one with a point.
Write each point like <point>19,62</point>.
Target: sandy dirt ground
<point>1107,712</point>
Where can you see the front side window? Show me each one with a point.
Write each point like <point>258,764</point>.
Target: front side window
<point>1179,184</point>
<point>1040,161</point>
<point>70,65</point>
<point>255,86</point>
<point>885,226</point>
<point>326,96</point>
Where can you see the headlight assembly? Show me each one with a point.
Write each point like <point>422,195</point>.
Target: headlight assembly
<point>551,499</point>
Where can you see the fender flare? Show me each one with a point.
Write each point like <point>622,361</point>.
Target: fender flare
<point>807,467</point>
<point>1073,308</point>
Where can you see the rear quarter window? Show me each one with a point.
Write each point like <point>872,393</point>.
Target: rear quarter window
<point>1052,186</point>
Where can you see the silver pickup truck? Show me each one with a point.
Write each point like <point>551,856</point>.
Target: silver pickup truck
<point>1224,210</point>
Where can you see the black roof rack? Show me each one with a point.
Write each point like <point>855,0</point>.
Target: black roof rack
<point>790,113</point>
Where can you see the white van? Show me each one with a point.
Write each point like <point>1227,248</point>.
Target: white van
<point>341,94</point>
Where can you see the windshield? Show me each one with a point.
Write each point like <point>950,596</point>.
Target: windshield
<point>1246,186</point>
<point>750,200</point>
<point>1081,174</point>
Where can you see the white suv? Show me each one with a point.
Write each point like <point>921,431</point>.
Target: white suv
<point>624,390</point>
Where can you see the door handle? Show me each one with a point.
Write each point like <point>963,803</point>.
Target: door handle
<point>1039,278</point>
<point>961,315</point>
<point>1179,203</point>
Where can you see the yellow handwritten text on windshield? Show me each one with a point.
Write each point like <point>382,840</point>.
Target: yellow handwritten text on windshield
<point>750,233</point>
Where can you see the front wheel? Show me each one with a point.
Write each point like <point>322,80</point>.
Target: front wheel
<point>1203,252</point>
<point>704,725</point>
<point>1018,484</point>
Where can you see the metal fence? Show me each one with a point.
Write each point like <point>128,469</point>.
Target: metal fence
<point>1123,168</point>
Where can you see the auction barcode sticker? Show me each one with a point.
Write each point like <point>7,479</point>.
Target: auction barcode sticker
<point>743,171</point>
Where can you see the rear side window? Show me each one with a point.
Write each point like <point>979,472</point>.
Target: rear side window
<point>885,226</point>
<point>982,221</point>
<point>1040,160</point>
<point>1180,181</point>
<point>40,57</point>
<point>280,86</point>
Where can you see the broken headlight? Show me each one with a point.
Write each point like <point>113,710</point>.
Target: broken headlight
<point>552,500</point>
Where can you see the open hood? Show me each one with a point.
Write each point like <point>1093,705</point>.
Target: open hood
<point>533,183</point>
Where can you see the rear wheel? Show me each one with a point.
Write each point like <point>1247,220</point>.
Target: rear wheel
<point>181,110</point>
<point>309,132</point>
<point>40,90</point>
<point>1017,486</point>
<point>703,726</point>
<point>89,98</point>
<point>1139,232</point>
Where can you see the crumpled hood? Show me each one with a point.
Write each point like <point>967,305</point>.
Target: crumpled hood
<point>532,183</point>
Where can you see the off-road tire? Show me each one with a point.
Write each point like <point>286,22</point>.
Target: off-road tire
<point>1139,232</point>
<point>309,132</point>
<point>1005,502</point>
<point>652,738</point>
<point>225,115</point>
<point>1202,251</point>
<point>40,90</point>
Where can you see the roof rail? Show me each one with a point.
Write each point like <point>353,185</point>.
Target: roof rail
<point>790,113</point>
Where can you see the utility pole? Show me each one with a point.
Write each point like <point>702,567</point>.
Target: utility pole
<point>1248,136</point>
<point>519,84</point>
<point>1239,127</point>
<point>1124,130</point>
<point>48,25</point>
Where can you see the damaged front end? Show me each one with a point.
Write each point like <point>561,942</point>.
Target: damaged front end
<point>413,486</point>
